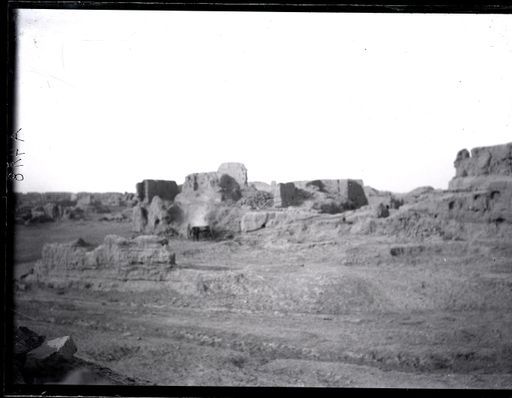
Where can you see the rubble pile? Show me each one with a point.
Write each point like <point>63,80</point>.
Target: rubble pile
<point>255,199</point>
<point>41,361</point>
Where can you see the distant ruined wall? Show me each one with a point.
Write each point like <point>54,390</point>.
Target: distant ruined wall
<point>139,189</point>
<point>194,205</point>
<point>211,186</point>
<point>206,197</point>
<point>355,192</point>
<point>235,170</point>
<point>488,168</point>
<point>229,178</point>
<point>56,196</point>
<point>148,189</point>
<point>481,191</point>
<point>334,194</point>
<point>285,194</point>
<point>492,160</point>
<point>200,182</point>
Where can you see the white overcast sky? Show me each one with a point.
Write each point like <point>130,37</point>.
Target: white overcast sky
<point>108,98</point>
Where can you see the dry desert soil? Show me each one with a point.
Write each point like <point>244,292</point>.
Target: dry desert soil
<point>267,310</point>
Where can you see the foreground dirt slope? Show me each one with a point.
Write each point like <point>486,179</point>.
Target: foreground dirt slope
<point>340,311</point>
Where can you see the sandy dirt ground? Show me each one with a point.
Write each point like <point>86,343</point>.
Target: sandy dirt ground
<point>261,311</point>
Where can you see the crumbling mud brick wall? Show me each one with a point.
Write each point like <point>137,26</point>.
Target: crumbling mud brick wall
<point>148,189</point>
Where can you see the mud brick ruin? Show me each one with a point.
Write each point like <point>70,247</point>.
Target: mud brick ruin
<point>117,259</point>
<point>323,249</point>
<point>330,196</point>
<point>148,189</point>
<point>205,196</point>
<point>224,203</point>
<point>484,161</point>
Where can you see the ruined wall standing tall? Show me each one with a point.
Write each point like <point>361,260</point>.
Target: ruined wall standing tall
<point>491,160</point>
<point>482,185</point>
<point>236,170</point>
<point>148,189</point>
<point>483,167</point>
<point>345,192</point>
<point>201,183</point>
<point>285,194</point>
